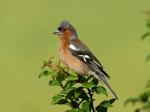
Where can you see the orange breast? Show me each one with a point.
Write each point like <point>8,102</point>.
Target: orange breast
<point>72,62</point>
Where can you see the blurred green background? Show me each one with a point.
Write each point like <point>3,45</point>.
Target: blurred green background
<point>111,28</point>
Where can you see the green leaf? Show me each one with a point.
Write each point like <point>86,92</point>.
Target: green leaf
<point>86,107</point>
<point>148,84</point>
<point>112,100</point>
<point>148,58</point>
<point>106,104</point>
<point>77,94</point>
<point>58,99</point>
<point>100,90</point>
<point>146,106</point>
<point>137,110</point>
<point>45,73</point>
<point>74,110</point>
<point>103,106</point>
<point>60,76</point>
<point>54,83</point>
<point>70,94</point>
<point>84,96</point>
<point>71,77</point>
<point>78,91</point>
<point>94,81</point>
<point>131,100</point>
<point>88,85</point>
<point>74,104</point>
<point>62,101</point>
<point>66,91</point>
<point>69,84</point>
<point>82,79</point>
<point>148,23</point>
<point>99,108</point>
<point>144,36</point>
<point>144,97</point>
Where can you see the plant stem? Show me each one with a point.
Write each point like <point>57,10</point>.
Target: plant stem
<point>91,99</point>
<point>61,85</point>
<point>81,101</point>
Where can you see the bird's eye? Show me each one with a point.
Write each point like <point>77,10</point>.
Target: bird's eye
<point>64,29</point>
<point>59,28</point>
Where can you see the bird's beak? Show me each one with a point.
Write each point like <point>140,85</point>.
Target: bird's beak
<point>57,32</point>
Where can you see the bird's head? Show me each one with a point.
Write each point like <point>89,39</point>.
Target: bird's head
<point>66,30</point>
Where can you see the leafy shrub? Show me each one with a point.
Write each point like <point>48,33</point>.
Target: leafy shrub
<point>76,91</point>
<point>143,99</point>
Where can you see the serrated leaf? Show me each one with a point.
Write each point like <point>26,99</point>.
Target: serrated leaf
<point>74,104</point>
<point>45,73</point>
<point>78,91</point>
<point>94,81</point>
<point>148,23</point>
<point>106,104</point>
<point>144,97</point>
<point>82,79</point>
<point>71,94</point>
<point>100,90</point>
<point>71,77</point>
<point>77,94</point>
<point>144,36</point>
<point>131,100</point>
<point>86,107</point>
<point>99,108</point>
<point>103,106</point>
<point>84,96</point>
<point>58,99</point>
<point>147,57</point>
<point>148,84</point>
<point>112,100</point>
<point>60,76</point>
<point>137,110</point>
<point>54,83</point>
<point>74,110</point>
<point>62,101</point>
<point>88,85</point>
<point>69,84</point>
<point>66,91</point>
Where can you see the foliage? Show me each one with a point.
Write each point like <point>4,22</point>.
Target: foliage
<point>76,91</point>
<point>147,34</point>
<point>143,99</point>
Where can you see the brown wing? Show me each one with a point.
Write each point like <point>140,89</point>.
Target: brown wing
<point>83,53</point>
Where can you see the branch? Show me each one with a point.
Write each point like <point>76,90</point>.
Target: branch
<point>91,99</point>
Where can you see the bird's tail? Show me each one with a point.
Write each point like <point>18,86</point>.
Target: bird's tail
<point>103,79</point>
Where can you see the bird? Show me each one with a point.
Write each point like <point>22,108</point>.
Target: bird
<point>75,55</point>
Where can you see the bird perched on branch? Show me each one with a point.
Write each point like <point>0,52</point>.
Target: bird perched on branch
<point>77,56</point>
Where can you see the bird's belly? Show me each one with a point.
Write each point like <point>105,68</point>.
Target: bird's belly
<point>73,63</point>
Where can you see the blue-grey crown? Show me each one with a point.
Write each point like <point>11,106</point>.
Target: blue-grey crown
<point>66,24</point>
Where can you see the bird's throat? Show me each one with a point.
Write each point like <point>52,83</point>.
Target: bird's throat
<point>64,43</point>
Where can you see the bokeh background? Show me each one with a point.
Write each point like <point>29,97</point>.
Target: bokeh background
<point>111,28</point>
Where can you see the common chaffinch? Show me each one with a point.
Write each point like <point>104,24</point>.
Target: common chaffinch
<point>77,56</point>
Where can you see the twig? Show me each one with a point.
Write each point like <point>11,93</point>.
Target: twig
<point>61,85</point>
<point>91,99</point>
<point>81,101</point>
